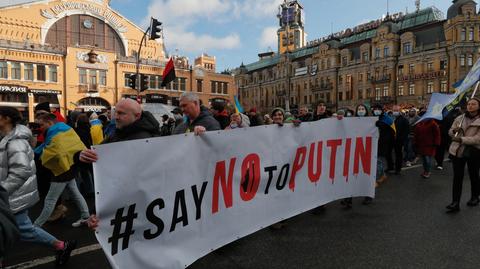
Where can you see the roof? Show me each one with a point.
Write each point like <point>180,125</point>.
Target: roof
<point>303,52</point>
<point>454,9</point>
<point>431,35</point>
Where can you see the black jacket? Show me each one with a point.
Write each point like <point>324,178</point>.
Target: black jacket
<point>402,127</point>
<point>145,127</point>
<point>306,118</point>
<point>325,115</point>
<point>386,138</point>
<point>83,131</point>
<point>8,228</point>
<point>223,120</point>
<point>205,119</point>
<point>256,120</point>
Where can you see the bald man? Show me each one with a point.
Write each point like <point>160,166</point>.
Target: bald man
<point>131,123</point>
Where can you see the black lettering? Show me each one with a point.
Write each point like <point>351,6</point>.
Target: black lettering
<point>281,183</point>
<point>198,199</point>
<point>270,170</point>
<point>154,219</point>
<point>179,199</point>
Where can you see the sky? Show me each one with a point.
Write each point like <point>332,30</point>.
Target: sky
<point>235,31</point>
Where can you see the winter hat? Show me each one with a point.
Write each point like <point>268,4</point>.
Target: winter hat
<point>245,120</point>
<point>276,110</point>
<point>45,106</point>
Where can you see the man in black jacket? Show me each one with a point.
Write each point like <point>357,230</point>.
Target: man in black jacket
<point>199,119</point>
<point>8,229</point>
<point>402,128</point>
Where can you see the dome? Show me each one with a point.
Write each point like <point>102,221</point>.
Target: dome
<point>454,9</point>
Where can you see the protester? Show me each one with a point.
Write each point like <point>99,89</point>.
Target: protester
<point>96,129</point>
<point>238,120</point>
<point>426,139</point>
<point>386,141</point>
<point>410,155</point>
<point>267,119</point>
<point>84,174</point>
<point>110,127</point>
<point>199,120</point>
<point>17,177</point>
<point>255,118</point>
<point>465,149</point>
<point>401,136</point>
<point>167,125</point>
<point>57,154</point>
<point>220,114</point>
<point>304,115</point>
<point>321,111</point>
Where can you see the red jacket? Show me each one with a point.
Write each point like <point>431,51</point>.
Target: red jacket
<point>426,137</point>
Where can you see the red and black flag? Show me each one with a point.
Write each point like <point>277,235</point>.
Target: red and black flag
<point>168,73</point>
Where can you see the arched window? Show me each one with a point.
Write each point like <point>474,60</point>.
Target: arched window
<point>84,30</point>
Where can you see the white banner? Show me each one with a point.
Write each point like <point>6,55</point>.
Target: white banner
<point>165,202</point>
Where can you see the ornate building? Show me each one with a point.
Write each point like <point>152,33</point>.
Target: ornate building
<point>402,59</point>
<point>78,54</point>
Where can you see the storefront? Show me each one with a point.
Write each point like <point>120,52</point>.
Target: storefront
<point>93,104</point>
<point>15,96</point>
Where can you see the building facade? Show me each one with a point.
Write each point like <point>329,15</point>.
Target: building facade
<point>401,59</point>
<point>78,54</point>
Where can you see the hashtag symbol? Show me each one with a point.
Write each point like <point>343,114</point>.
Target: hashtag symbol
<point>117,224</point>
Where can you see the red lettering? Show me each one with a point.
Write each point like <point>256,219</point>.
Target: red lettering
<point>365,153</point>
<point>333,144</point>
<point>250,179</point>
<point>314,176</point>
<point>297,165</point>
<point>346,159</point>
<point>220,176</point>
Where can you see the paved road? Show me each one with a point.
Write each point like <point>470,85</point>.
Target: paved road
<point>405,227</point>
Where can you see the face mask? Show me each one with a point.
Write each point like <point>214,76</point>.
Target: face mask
<point>396,113</point>
<point>361,113</point>
<point>233,125</point>
<point>349,114</point>
<point>377,112</point>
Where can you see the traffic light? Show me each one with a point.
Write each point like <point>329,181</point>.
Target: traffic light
<point>144,80</point>
<point>155,29</point>
<point>132,81</point>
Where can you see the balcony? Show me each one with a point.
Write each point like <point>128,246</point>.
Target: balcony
<point>322,87</point>
<point>88,88</point>
<point>383,100</point>
<point>280,93</point>
<point>381,79</point>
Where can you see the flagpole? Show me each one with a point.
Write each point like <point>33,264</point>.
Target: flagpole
<point>463,116</point>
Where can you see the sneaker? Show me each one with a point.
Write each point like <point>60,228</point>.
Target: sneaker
<point>425,175</point>
<point>408,164</point>
<point>439,167</point>
<point>57,214</point>
<point>79,223</point>
<point>64,254</point>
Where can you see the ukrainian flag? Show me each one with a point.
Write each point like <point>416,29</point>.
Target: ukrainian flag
<point>385,118</point>
<point>58,150</point>
<point>238,106</point>
<point>96,131</point>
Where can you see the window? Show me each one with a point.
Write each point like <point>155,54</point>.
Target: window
<point>28,71</point>
<point>52,73</point>
<point>411,68</point>
<point>443,64</point>
<point>378,94</point>
<point>340,80</point>
<point>462,60</point>
<point>3,70</point>
<point>199,85</point>
<point>470,60</point>
<point>153,82</point>
<point>386,51</point>
<point>159,81</point>
<point>126,79</point>
<point>400,90</point>
<point>463,35</point>
<point>400,70</point>
<point>429,67</point>
<point>360,77</point>
<point>407,48</point>
<point>103,77</point>
<point>411,89</point>
<point>470,34</point>
<point>82,74</point>
<point>93,77</point>
<point>183,84</point>
<point>365,56</point>
<point>41,75</point>
<point>377,53</point>
<point>340,96</point>
<point>344,61</point>
<point>15,68</point>
<point>225,88</point>
<point>443,86</point>
<point>305,101</point>
<point>430,87</point>
<point>385,91</point>
<point>213,86</point>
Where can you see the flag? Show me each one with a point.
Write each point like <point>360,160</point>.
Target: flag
<point>238,106</point>
<point>385,118</point>
<point>168,73</point>
<point>60,146</point>
<point>96,131</point>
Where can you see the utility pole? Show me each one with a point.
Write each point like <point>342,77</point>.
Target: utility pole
<point>287,64</point>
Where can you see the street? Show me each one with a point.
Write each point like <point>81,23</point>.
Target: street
<point>405,227</point>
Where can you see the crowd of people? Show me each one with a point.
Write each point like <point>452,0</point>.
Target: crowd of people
<point>51,159</point>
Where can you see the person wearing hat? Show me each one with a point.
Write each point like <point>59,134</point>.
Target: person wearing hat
<point>321,111</point>
<point>220,114</point>
<point>255,118</point>
<point>386,141</point>
<point>238,120</point>
<point>465,150</point>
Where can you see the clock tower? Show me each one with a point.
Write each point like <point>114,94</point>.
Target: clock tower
<point>291,34</point>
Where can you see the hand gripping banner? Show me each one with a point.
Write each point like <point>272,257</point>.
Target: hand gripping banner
<point>165,202</point>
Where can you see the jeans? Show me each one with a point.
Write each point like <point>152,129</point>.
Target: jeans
<point>409,150</point>
<point>56,189</point>
<point>473,165</point>
<point>427,163</point>
<point>381,162</point>
<point>31,233</point>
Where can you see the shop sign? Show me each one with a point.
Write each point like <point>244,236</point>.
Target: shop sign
<point>13,89</point>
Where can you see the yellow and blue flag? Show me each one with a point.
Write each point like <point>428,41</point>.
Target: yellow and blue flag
<point>96,131</point>
<point>385,118</point>
<point>60,146</point>
<point>238,106</point>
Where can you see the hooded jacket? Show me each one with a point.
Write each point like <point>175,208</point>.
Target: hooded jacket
<point>204,119</point>
<point>145,127</point>
<point>17,169</point>
<point>469,133</point>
